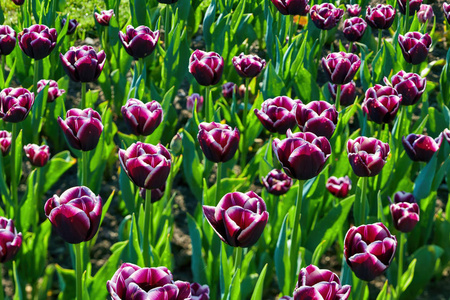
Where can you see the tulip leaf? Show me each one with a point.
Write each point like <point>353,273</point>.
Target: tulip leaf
<point>282,261</point>
<point>306,86</point>
<point>4,189</point>
<point>67,283</point>
<point>30,207</point>
<point>408,276</point>
<point>272,84</point>
<point>364,70</point>
<point>235,287</point>
<point>423,182</point>
<point>56,167</point>
<point>38,109</point>
<point>440,174</point>
<point>225,273</point>
<point>166,103</point>
<point>383,295</point>
<point>258,291</point>
<point>134,251</point>
<point>192,168</point>
<point>208,20</point>
<point>11,74</point>
<point>198,266</point>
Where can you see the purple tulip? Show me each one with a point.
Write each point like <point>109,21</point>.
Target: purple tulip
<point>404,211</point>
<point>38,155</point>
<point>410,85</point>
<point>277,114</point>
<point>381,103</point>
<point>10,240</point>
<point>425,13</point>
<point>303,155</point>
<point>367,156</point>
<point>37,41</point>
<point>104,17</point>
<point>142,118</point>
<point>168,1</point>
<point>277,182</point>
<point>445,135</point>
<point>53,89</point>
<point>292,7</point>
<point>315,283</point>
<point>15,104</point>
<point>420,147</point>
<point>76,214</point>
<point>157,193</point>
<point>83,63</point>
<point>353,10</point>
<point>219,142</point>
<point>228,89</point>
<point>18,2</point>
<point>73,24</point>
<point>7,39</point>
<point>326,16</point>
<point>238,219</point>
<point>354,29</point>
<point>369,250</point>
<point>206,67</point>
<point>341,67</point>
<point>446,9</point>
<point>148,166</point>
<point>381,16</point>
<point>348,93</point>
<point>133,282</point>
<point>401,196</point>
<point>199,292</point>
<point>190,103</point>
<point>318,117</point>
<point>5,141</point>
<point>339,187</point>
<point>415,46</point>
<point>248,66</point>
<point>82,128</point>
<point>414,5</point>
<point>139,42</point>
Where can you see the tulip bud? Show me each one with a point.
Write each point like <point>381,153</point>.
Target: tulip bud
<point>38,155</point>
<point>199,292</point>
<point>228,89</point>
<point>318,117</point>
<point>410,85</point>
<point>83,63</point>
<point>238,219</point>
<point>37,41</point>
<point>405,212</point>
<point>348,93</point>
<point>277,114</point>
<point>176,144</point>
<point>15,104</point>
<point>7,39</point>
<point>381,103</point>
<point>277,182</point>
<point>425,13</point>
<point>241,91</point>
<point>414,5</point>
<point>381,16</point>
<point>75,214</point>
<point>369,250</point>
<point>248,66</point>
<point>339,187</point>
<point>157,193</point>
<point>353,10</point>
<point>354,29</point>
<point>219,142</point>
<point>420,147</point>
<point>73,24</point>
<point>415,46</point>
<point>293,7</point>
<point>341,67</point>
<point>82,128</point>
<point>446,9</point>
<point>10,240</point>
<point>5,142</point>
<point>206,67</point>
<point>326,16</point>
<point>104,17</point>
<point>139,42</point>
<point>142,119</point>
<point>190,103</point>
<point>367,156</point>
<point>401,196</point>
<point>53,89</point>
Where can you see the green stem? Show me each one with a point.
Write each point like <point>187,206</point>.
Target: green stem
<point>167,26</point>
<point>362,284</point>
<point>362,202</point>
<point>244,124</point>
<point>238,259</point>
<point>14,196</point>
<point>218,181</point>
<point>36,76</point>
<point>295,232</point>
<point>405,29</point>
<point>83,95</point>
<point>400,263</point>
<point>147,227</point>
<point>3,73</point>
<point>208,103</point>
<point>79,270</point>
<point>338,97</point>
<point>292,28</point>
<point>380,38</point>
<point>84,168</point>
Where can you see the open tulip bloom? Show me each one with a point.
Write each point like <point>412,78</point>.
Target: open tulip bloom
<point>292,7</point>
<point>219,142</point>
<point>142,118</point>
<point>15,104</point>
<point>277,114</point>
<point>5,141</point>
<point>248,66</point>
<point>326,16</point>
<point>367,156</point>
<point>7,39</point>
<point>380,17</point>
<point>83,63</point>
<point>381,103</point>
<point>206,67</point>
<point>339,187</point>
<point>277,182</point>
<point>37,41</point>
<point>410,85</point>
<point>139,42</point>
<point>318,117</point>
<point>53,89</point>
<point>405,215</point>
<point>341,67</point>
<point>415,46</point>
<point>353,10</point>
<point>420,147</point>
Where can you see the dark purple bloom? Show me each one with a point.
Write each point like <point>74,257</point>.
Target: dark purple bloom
<point>381,103</point>
<point>238,219</point>
<point>318,117</point>
<point>206,67</point>
<point>410,85</point>
<point>341,67</point>
<point>348,93</point>
<point>76,214</point>
<point>420,147</point>
<point>139,42</point>
<point>142,118</point>
<point>415,46</point>
<point>104,17</point>
<point>339,187</point>
<point>219,142</point>
<point>292,7</point>
<point>228,89</point>
<point>15,104</point>
<point>354,29</point>
<point>53,89</point>
<point>38,155</point>
<point>190,102</point>
<point>381,16</point>
<point>157,193</point>
<point>326,16</point>
<point>37,41</point>
<point>277,114</point>
<point>83,63</point>
<point>10,240</point>
<point>168,1</point>
<point>7,39</point>
<point>414,5</point>
<point>425,13</point>
<point>277,182</point>
<point>401,196</point>
<point>446,9</point>
<point>199,292</point>
<point>248,66</point>
<point>5,141</point>
<point>73,24</point>
<point>18,2</point>
<point>445,135</point>
<point>353,10</point>
<point>405,212</point>
<point>367,156</point>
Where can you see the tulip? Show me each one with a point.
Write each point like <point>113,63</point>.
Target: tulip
<point>133,282</point>
<point>157,193</point>
<point>206,67</point>
<point>73,24</point>
<point>315,283</point>
<point>303,155</point>
<point>381,16</point>
<point>369,250</point>
<point>168,1</point>
<point>425,13</point>
<point>7,39</point>
<point>446,9</point>
<point>199,292</point>
<point>139,42</point>
<point>414,5</point>
<point>405,214</point>
<point>83,63</point>
<point>354,29</point>
<point>219,142</point>
<point>414,46</point>
<point>326,16</point>
<point>353,10</point>
<point>38,155</point>
<point>348,93</point>
<point>446,135</point>
<point>341,67</point>
<point>75,214</point>
<point>176,144</point>
<point>18,2</point>
<point>10,240</point>
<point>104,17</point>
<point>238,219</point>
<point>53,89</point>
<point>37,41</point>
<point>15,104</point>
<point>142,119</point>
<point>339,187</point>
<point>420,147</point>
<point>292,7</point>
<point>228,89</point>
<point>5,141</point>
<point>318,117</point>
<point>401,197</point>
<point>277,114</point>
<point>410,85</point>
<point>276,182</point>
<point>190,103</point>
<point>381,103</point>
<point>82,128</point>
<point>367,156</point>
<point>248,66</point>
<point>242,89</point>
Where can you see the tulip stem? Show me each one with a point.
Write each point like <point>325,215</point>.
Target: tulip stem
<point>400,263</point>
<point>36,76</point>
<point>244,124</point>
<point>218,180</point>
<point>338,97</point>
<point>291,28</point>
<point>3,74</point>
<point>208,103</point>
<point>13,171</point>
<point>167,27</point>
<point>295,234</point>
<point>84,168</point>
<point>147,227</point>
<point>362,201</point>
<point>83,95</point>
<point>237,259</point>
<point>79,270</point>
<point>380,38</point>
<point>405,30</point>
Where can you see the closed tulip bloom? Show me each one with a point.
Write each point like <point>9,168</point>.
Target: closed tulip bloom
<point>292,7</point>
<point>410,85</point>
<point>5,141</point>
<point>75,214</point>
<point>367,156</point>
<point>414,5</point>
<point>415,46</point>
<point>148,166</point>
<point>18,2</point>
<point>315,283</point>
<point>354,29</point>
<point>341,67</point>
<point>353,10</point>
<point>15,104</point>
<point>276,182</point>
<point>339,187</point>
<point>219,142</point>
<point>104,17</point>
<point>425,13</point>
<point>238,219</point>
<point>82,128</point>
<point>277,114</point>
<point>228,89</point>
<point>190,102</point>
<point>142,118</point>
<point>38,155</point>
<point>318,117</point>
<point>404,211</point>
<point>381,16</point>
<point>401,196</point>
<point>348,93</point>
<point>420,147</point>
<point>248,66</point>
<point>7,39</point>
<point>83,63</point>
<point>73,24</point>
<point>446,9</point>
<point>133,282</point>
<point>445,135</point>
<point>326,16</point>
<point>10,240</point>
<point>139,42</point>
<point>381,103</point>
<point>206,67</point>
<point>37,41</point>
<point>303,155</point>
<point>157,193</point>
<point>199,292</point>
<point>53,89</point>
<point>369,250</point>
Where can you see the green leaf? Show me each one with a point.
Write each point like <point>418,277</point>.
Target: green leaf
<point>67,283</point>
<point>198,266</point>
<point>272,85</point>
<point>235,287</point>
<point>408,276</point>
<point>192,168</point>
<point>56,167</point>
<point>258,291</point>
<point>225,275</point>
<point>281,258</point>
<point>423,182</point>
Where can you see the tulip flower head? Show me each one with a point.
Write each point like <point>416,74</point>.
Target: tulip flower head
<point>18,2</point>
<point>354,29</point>
<point>219,142</point>
<point>410,85</point>
<point>139,42</point>
<point>5,141</point>
<point>326,16</point>
<point>445,135</point>
<point>190,102</point>
<point>157,193</point>
<point>104,17</point>
<point>10,240</point>
<point>15,104</point>
<point>367,156</point>
<point>73,24</point>
<point>7,39</point>
<point>206,67</point>
<point>339,187</point>
<point>420,147</point>
<point>348,93</point>
<point>38,155</point>
<point>292,7</point>
<point>415,46</point>
<point>341,67</point>
<point>53,89</point>
<point>425,13</point>
<point>228,89</point>
<point>248,66</point>
<point>381,16</point>
<point>277,182</point>
<point>277,114</point>
<point>353,10</point>
<point>404,211</point>
<point>381,103</point>
<point>199,292</point>
<point>414,5</point>
<point>318,117</point>
<point>37,41</point>
<point>83,63</point>
<point>446,9</point>
<point>142,118</point>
